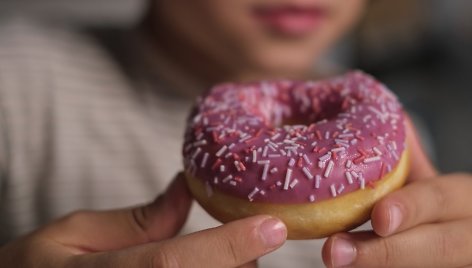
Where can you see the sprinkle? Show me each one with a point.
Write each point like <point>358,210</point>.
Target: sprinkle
<point>263,162</point>
<point>274,155</point>
<point>274,170</point>
<point>314,143</point>
<point>353,141</point>
<point>217,162</point>
<point>340,149</point>
<point>377,151</point>
<point>196,153</point>
<point>312,198</point>
<point>278,183</point>
<point>348,163</point>
<point>233,183</point>
<point>222,168</point>
<point>215,180</point>
<point>291,162</point>
<point>200,142</point>
<point>245,138</point>
<point>325,157</point>
<point>329,168</point>
<point>264,153</point>
<point>307,159</point>
<point>264,172</point>
<point>204,160</point>
<point>321,164</point>
<point>221,151</point>
<point>333,190</point>
<point>326,135</point>
<point>262,192</point>
<point>354,174</point>
<point>293,183</point>
<point>317,181</point>
<point>307,173</point>
<point>275,136</point>
<point>362,182</point>
<point>372,159</point>
<point>346,135</point>
<point>228,178</point>
<point>231,146</point>
<point>253,193</point>
<point>341,188</point>
<point>287,178</point>
<point>254,156</point>
<point>349,177</point>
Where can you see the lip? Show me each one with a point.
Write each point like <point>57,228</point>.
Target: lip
<point>290,20</point>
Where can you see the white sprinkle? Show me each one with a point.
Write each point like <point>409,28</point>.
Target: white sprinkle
<point>377,151</point>
<point>228,155</point>
<point>326,135</point>
<point>221,151</point>
<point>274,155</point>
<point>333,190</point>
<point>228,178</point>
<point>325,157</point>
<point>353,141</point>
<point>278,183</point>
<point>208,188</point>
<point>245,138</point>
<point>307,173</point>
<point>339,149</point>
<point>254,192</point>
<point>348,163</point>
<point>354,174</point>
<point>222,168</point>
<point>317,181</point>
<point>307,159</point>
<point>372,159</point>
<point>312,198</point>
<point>275,136</point>
<point>199,143</point>
<point>287,178</point>
<point>196,153</point>
<point>329,168</point>
<point>215,180</point>
<point>264,172</point>
<point>264,153</point>
<point>293,183</point>
<point>349,177</point>
<point>263,162</point>
<point>291,162</point>
<point>341,188</point>
<point>231,146</point>
<point>204,160</point>
<point>254,156</point>
<point>314,143</point>
<point>262,192</point>
<point>346,135</point>
<point>273,170</point>
<point>321,164</point>
<point>233,183</point>
<point>236,165</point>
<point>362,182</point>
<point>289,141</point>
<point>394,145</point>
<point>283,152</point>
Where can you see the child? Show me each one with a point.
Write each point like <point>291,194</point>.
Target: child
<point>95,121</point>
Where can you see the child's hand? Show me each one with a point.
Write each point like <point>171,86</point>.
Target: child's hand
<point>141,237</point>
<point>428,223</point>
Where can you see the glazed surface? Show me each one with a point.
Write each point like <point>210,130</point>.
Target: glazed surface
<point>294,142</point>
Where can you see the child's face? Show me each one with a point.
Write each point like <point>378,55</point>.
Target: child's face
<point>262,37</point>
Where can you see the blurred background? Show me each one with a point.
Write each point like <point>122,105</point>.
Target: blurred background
<point>420,49</point>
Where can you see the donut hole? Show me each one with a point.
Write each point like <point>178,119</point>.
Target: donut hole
<point>328,108</point>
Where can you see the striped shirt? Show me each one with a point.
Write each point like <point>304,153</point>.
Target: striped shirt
<point>84,125</point>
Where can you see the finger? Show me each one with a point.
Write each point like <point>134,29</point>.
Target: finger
<point>421,166</point>
<point>107,230</point>
<point>433,245</point>
<point>229,245</point>
<point>426,201</point>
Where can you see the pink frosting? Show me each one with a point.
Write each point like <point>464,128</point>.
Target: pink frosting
<point>294,142</point>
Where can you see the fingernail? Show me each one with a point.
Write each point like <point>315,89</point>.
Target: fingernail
<point>395,218</point>
<point>343,252</point>
<point>273,232</point>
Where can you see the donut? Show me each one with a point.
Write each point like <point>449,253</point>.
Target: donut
<point>316,154</point>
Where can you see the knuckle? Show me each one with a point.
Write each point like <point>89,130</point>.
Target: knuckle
<point>138,222</point>
<point>165,258</point>
<point>387,250</point>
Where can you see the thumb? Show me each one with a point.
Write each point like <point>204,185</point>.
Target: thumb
<point>115,229</point>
